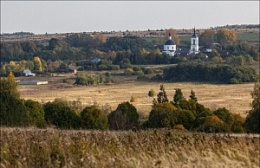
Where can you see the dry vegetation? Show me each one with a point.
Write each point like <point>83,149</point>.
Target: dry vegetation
<point>236,98</point>
<point>151,148</point>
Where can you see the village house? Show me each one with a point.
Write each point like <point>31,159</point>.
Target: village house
<point>72,69</point>
<point>28,72</point>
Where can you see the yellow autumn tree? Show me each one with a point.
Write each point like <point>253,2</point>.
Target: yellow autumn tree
<point>175,38</point>
<point>12,85</point>
<point>226,37</point>
<point>37,64</point>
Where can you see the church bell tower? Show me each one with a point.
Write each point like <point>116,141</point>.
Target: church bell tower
<point>194,46</point>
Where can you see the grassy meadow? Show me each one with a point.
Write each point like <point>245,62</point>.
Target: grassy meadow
<point>236,98</point>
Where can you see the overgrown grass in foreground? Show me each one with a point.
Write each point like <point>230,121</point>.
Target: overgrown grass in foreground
<point>151,148</point>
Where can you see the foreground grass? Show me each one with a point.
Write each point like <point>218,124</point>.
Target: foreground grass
<point>152,148</point>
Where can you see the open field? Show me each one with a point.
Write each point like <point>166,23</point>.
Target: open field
<point>29,147</point>
<point>236,98</point>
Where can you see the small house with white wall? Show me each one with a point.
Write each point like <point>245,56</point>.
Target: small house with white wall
<point>28,72</point>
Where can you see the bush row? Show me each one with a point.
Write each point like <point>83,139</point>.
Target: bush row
<point>179,113</point>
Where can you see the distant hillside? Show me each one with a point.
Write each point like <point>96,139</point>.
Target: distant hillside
<point>183,34</point>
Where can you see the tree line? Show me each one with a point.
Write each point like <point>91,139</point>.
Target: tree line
<point>79,49</point>
<point>180,113</point>
<point>217,73</point>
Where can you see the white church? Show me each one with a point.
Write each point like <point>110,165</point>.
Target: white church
<point>170,46</point>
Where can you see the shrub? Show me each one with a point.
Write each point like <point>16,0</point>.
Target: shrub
<point>252,123</point>
<point>225,115</point>
<point>151,93</point>
<point>133,99</point>
<point>237,126</point>
<point>201,117</point>
<point>213,124</point>
<point>85,79</point>
<point>157,77</point>
<point>125,117</point>
<point>137,69</point>
<point>139,73</point>
<point>94,118</point>
<point>129,71</point>
<point>180,127</point>
<point>185,118</point>
<point>148,71</point>
<point>36,113</point>
<point>61,115</point>
<point>162,116</point>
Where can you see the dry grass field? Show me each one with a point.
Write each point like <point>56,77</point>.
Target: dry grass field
<point>236,98</point>
<point>30,147</point>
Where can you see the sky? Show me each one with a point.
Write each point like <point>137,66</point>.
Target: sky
<point>40,17</point>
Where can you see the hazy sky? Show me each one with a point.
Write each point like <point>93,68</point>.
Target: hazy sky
<point>86,16</point>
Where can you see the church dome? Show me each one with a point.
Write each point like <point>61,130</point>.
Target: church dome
<point>169,42</point>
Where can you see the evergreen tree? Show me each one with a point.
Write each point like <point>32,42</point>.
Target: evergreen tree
<point>178,97</point>
<point>252,120</point>
<point>12,110</point>
<point>162,96</point>
<point>193,96</point>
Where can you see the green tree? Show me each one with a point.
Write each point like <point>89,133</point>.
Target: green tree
<point>93,118</point>
<point>252,123</point>
<point>162,116</point>
<point>213,124</point>
<point>193,96</point>
<point>125,117</point>
<point>207,38</point>
<point>238,124</point>
<point>178,97</point>
<point>162,96</point>
<point>12,110</point>
<point>36,113</point>
<point>59,114</point>
<point>225,115</point>
<point>185,118</point>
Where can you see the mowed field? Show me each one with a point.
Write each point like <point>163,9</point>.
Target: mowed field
<point>236,98</point>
